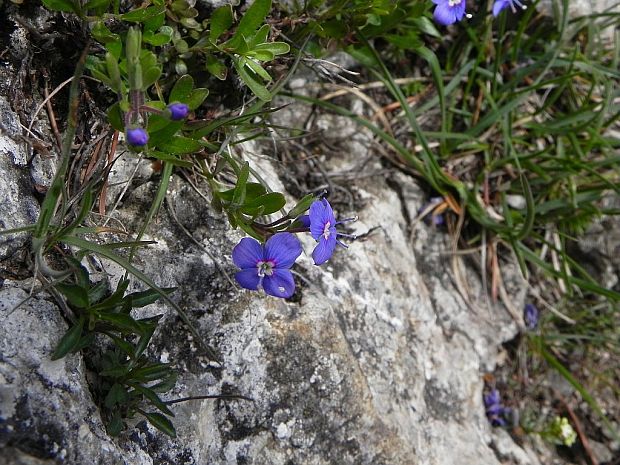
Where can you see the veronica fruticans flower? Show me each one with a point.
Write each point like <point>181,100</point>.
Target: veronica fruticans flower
<point>323,229</point>
<point>449,11</point>
<point>267,265</point>
<point>530,315</point>
<point>494,409</point>
<point>499,5</point>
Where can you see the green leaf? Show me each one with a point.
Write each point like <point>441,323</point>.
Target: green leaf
<point>152,397</point>
<point>426,26</point>
<point>182,89</point>
<point>262,55</point>
<point>149,325</point>
<point>150,76</point>
<point>116,395</point>
<point>165,385</point>
<point>155,22</point>
<point>196,97</point>
<point>221,20</point>
<point>150,373</point>
<point>172,159</point>
<point>252,82</point>
<point>115,117</point>
<point>77,296</point>
<point>251,21</point>
<point>276,48</point>
<point>81,273</point>
<point>102,34</point>
<point>97,4</point>
<point>98,291</point>
<point>259,37</point>
<point>180,145</point>
<point>258,69</point>
<point>115,298</point>
<point>157,39</point>
<point>252,190</point>
<point>121,321</point>
<point>115,425</point>
<point>67,6</point>
<point>165,134</point>
<point>69,341</point>
<point>142,14</point>
<point>242,179</point>
<point>268,204</point>
<point>216,68</point>
<point>144,298</point>
<point>302,206</point>
<point>122,344</point>
<point>160,422</point>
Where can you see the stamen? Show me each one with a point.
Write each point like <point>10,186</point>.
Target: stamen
<point>342,244</point>
<point>326,230</point>
<point>348,220</point>
<point>350,236</point>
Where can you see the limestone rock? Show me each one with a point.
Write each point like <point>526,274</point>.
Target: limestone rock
<point>17,205</point>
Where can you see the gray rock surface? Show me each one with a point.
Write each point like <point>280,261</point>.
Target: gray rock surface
<point>377,361</point>
<point>47,414</point>
<point>17,205</point>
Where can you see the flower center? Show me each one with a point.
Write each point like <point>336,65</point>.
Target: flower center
<point>265,267</point>
<point>326,231</point>
<point>454,2</point>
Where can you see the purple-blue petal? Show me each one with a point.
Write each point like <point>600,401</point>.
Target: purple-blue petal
<point>321,213</point>
<point>492,398</point>
<point>247,253</point>
<point>499,5</point>
<point>530,315</point>
<point>283,249</point>
<point>459,10</point>
<point>324,249</point>
<point>446,14</point>
<point>248,278</point>
<point>495,409</point>
<point>279,284</point>
<point>304,220</point>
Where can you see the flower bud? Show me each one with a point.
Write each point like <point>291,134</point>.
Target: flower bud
<point>137,137</point>
<point>178,111</point>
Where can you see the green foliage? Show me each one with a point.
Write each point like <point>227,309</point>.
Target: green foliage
<point>125,378</point>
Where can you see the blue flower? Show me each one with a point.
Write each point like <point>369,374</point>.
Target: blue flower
<point>432,207</point>
<point>267,265</point>
<point>449,11</point>
<point>530,315</point>
<point>137,137</point>
<point>323,229</point>
<point>178,111</point>
<point>499,5</point>
<point>494,409</point>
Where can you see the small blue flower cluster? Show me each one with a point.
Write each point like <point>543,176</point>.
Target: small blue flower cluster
<point>450,11</point>
<point>138,137</point>
<point>531,315</point>
<point>496,412</point>
<point>268,265</point>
